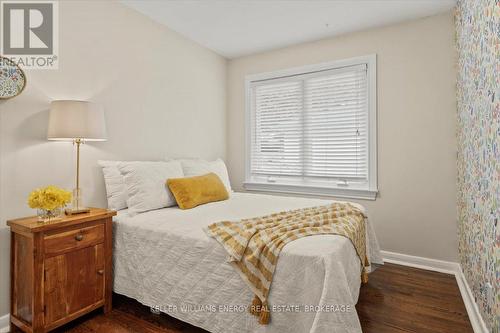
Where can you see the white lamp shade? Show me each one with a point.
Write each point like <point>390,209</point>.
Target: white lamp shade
<point>70,120</point>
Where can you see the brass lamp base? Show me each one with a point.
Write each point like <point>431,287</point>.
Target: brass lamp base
<point>74,211</point>
<point>77,206</point>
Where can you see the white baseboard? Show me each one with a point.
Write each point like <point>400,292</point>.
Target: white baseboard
<point>441,266</point>
<point>435,265</point>
<point>447,267</point>
<point>475,317</point>
<point>4,323</point>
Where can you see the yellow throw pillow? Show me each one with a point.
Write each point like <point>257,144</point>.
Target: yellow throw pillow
<point>190,192</point>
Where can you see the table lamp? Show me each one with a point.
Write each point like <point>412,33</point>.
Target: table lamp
<point>78,122</point>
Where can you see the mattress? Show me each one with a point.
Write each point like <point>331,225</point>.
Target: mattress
<point>164,259</point>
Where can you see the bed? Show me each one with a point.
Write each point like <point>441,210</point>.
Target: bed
<point>164,259</point>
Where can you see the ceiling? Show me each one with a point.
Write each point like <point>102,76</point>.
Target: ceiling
<point>241,27</point>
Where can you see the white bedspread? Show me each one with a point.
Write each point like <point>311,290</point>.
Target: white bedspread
<point>163,258</point>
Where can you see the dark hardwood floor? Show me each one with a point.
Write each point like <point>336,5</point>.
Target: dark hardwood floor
<point>404,299</point>
<point>397,299</point>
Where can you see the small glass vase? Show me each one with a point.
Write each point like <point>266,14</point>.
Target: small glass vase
<point>45,215</point>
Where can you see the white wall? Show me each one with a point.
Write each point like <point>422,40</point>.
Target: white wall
<point>163,96</point>
<point>415,212</point>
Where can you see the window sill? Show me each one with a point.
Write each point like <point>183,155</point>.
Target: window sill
<point>312,190</point>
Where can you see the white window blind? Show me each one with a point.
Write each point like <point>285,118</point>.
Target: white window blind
<point>311,129</point>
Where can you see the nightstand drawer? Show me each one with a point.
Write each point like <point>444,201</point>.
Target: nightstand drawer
<point>73,239</point>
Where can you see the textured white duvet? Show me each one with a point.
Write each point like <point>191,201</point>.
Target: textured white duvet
<point>163,259</point>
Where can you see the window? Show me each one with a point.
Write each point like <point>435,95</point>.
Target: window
<point>313,130</point>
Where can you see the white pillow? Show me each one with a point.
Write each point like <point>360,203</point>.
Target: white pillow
<point>116,191</point>
<point>194,167</point>
<point>146,184</point>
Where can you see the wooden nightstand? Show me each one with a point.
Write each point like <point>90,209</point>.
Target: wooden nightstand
<point>60,270</point>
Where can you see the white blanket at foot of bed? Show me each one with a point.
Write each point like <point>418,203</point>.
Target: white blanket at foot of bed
<point>163,259</point>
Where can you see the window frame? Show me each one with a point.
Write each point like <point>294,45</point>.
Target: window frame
<point>368,192</point>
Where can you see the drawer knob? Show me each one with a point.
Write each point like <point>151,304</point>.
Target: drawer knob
<point>79,237</point>
<point>100,272</point>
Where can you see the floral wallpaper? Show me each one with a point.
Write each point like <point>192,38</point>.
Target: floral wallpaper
<point>478,98</point>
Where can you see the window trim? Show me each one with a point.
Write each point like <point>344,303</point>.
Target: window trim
<point>368,194</point>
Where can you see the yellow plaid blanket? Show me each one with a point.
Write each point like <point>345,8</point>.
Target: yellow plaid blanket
<point>254,244</point>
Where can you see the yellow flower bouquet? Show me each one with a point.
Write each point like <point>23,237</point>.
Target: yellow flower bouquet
<point>49,202</point>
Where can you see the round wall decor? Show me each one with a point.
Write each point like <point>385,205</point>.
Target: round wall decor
<point>12,79</point>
